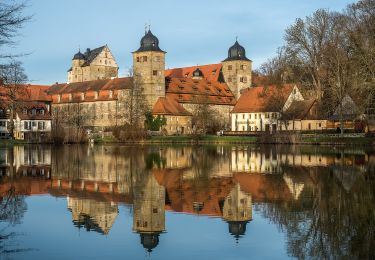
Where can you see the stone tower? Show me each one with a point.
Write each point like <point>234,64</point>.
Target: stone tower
<point>149,209</point>
<point>148,68</point>
<point>237,69</point>
<point>237,211</point>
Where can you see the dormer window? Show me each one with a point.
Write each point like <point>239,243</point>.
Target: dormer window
<point>82,96</point>
<point>70,96</point>
<point>41,111</point>
<point>58,98</point>
<point>110,94</point>
<point>25,111</point>
<point>96,94</point>
<point>33,111</point>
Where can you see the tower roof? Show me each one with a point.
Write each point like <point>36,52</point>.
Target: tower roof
<point>79,56</point>
<point>236,52</point>
<point>149,241</point>
<point>149,42</point>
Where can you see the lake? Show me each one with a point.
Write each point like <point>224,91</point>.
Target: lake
<point>186,202</point>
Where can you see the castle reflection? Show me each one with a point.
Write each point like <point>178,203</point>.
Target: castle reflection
<point>222,182</point>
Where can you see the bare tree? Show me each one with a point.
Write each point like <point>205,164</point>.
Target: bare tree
<point>12,20</point>
<point>13,89</point>
<point>360,30</point>
<point>305,42</point>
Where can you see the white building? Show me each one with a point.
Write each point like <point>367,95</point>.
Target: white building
<point>258,108</point>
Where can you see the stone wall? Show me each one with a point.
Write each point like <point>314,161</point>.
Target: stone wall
<point>237,75</point>
<point>222,112</point>
<point>148,70</point>
<point>177,125</point>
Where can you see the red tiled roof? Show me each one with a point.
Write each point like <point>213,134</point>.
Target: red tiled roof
<point>27,93</point>
<point>210,72</point>
<point>94,85</point>
<point>29,106</point>
<point>168,106</point>
<point>261,99</point>
<point>188,90</point>
<point>89,88</point>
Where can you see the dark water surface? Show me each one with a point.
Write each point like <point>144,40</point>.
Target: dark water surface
<point>184,202</point>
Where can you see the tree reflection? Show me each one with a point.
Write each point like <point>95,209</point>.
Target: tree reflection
<point>329,221</point>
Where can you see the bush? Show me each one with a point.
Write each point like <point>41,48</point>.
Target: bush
<point>129,133</point>
<point>62,135</point>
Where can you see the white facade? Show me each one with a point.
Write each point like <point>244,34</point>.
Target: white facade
<point>254,121</point>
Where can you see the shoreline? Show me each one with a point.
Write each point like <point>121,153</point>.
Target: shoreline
<point>224,140</point>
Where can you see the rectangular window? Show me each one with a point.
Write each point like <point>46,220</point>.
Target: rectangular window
<point>138,59</point>
<point>144,58</point>
<point>230,67</point>
<point>33,124</point>
<point>267,115</point>
<point>154,72</point>
<point>26,125</point>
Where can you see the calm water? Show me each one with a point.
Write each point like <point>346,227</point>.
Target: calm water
<point>209,202</point>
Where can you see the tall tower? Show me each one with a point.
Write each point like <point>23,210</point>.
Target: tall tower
<point>148,68</point>
<point>237,211</point>
<point>237,69</point>
<point>149,209</point>
<point>75,73</point>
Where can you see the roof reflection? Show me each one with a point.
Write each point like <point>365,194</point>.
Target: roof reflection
<point>218,182</point>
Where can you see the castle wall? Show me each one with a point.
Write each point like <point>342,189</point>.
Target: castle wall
<point>221,112</point>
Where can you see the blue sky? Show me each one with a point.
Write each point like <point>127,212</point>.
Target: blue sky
<point>192,32</point>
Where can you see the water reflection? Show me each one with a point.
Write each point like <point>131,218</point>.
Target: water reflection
<point>321,198</point>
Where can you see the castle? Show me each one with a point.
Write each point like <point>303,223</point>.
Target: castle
<point>95,97</point>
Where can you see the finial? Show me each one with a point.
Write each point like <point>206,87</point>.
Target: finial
<point>236,37</point>
<point>149,25</point>
<point>145,28</point>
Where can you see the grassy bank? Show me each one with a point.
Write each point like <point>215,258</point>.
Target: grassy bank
<point>213,139</point>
